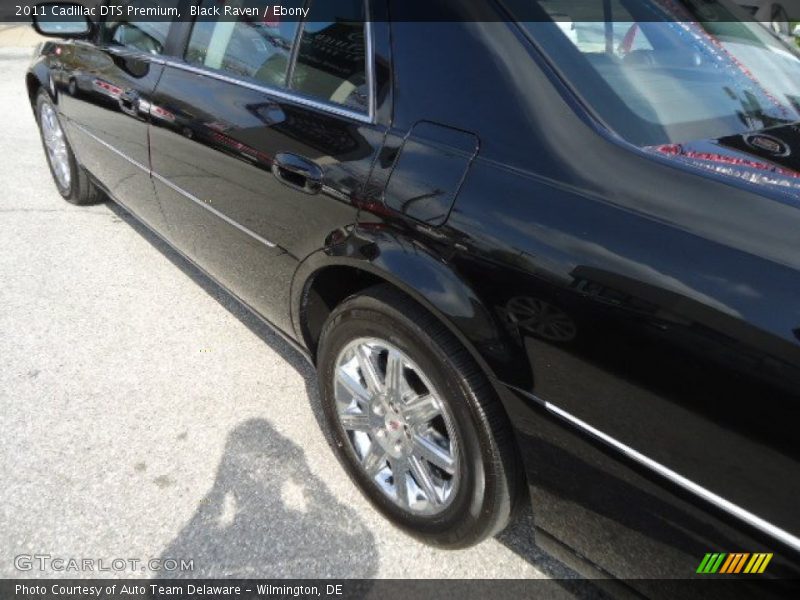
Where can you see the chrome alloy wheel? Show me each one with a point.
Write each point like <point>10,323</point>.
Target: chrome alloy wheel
<point>56,145</point>
<point>397,425</point>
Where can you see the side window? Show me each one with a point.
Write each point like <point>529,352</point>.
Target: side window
<point>253,47</point>
<point>143,35</point>
<point>331,59</point>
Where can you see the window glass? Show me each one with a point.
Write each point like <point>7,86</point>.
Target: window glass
<point>254,47</point>
<point>331,60</point>
<point>664,73</point>
<point>143,35</point>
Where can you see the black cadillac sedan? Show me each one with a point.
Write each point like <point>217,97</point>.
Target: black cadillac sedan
<point>536,258</point>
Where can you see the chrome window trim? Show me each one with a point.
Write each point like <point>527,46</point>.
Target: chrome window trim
<point>369,49</point>
<point>282,93</point>
<point>687,484</point>
<point>335,109</point>
<point>286,93</point>
<point>178,189</point>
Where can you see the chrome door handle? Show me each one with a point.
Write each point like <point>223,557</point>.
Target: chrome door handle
<point>129,103</point>
<point>297,172</point>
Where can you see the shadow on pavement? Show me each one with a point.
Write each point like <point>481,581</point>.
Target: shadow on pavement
<point>268,516</point>
<point>264,540</point>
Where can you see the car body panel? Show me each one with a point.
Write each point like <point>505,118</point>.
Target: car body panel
<point>218,152</point>
<point>104,99</point>
<point>659,276</point>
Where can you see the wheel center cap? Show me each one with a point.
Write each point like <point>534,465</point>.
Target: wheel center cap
<point>394,440</point>
<point>395,423</point>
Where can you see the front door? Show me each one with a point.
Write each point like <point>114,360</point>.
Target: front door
<point>105,89</point>
<point>261,137</point>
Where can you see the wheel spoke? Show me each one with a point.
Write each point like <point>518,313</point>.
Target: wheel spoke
<point>394,375</point>
<point>421,409</point>
<point>430,451</point>
<point>368,369</point>
<point>360,394</point>
<point>374,460</point>
<point>424,478</point>
<point>400,477</point>
<point>545,311</point>
<point>354,422</point>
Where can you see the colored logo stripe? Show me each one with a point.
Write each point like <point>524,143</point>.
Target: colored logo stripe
<point>758,563</point>
<point>735,562</point>
<point>711,563</point>
<point>720,562</point>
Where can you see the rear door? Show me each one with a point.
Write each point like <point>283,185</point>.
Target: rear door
<point>262,136</point>
<point>106,87</point>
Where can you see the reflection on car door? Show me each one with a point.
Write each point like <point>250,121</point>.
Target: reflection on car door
<point>255,175</point>
<point>104,97</point>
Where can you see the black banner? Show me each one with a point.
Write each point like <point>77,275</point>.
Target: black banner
<point>303,589</point>
<point>787,11</point>
<point>408,589</point>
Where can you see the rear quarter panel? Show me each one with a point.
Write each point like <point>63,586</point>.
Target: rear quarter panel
<point>676,296</point>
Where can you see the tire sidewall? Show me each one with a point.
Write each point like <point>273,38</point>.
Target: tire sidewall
<point>69,192</point>
<point>367,317</point>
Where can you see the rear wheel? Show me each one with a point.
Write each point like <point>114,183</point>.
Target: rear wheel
<point>415,421</point>
<point>72,180</point>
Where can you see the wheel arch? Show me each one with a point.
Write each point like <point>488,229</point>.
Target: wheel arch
<point>38,78</point>
<point>327,277</point>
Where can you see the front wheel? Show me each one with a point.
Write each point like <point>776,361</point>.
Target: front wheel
<point>414,420</point>
<point>71,179</point>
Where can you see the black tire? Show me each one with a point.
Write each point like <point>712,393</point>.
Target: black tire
<point>81,190</point>
<point>490,483</point>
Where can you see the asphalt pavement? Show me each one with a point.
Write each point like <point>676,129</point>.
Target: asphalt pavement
<point>145,414</point>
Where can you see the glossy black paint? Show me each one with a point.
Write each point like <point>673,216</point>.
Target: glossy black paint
<point>101,102</point>
<point>428,171</point>
<point>232,140</point>
<point>653,294</point>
